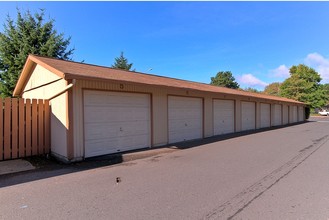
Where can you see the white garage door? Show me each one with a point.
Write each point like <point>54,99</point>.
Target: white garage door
<point>300,113</point>
<point>265,115</point>
<point>184,118</point>
<point>248,116</point>
<point>293,114</point>
<point>115,122</point>
<point>285,114</point>
<point>277,115</point>
<point>223,116</point>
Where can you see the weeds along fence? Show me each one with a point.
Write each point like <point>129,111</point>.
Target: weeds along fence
<point>24,127</point>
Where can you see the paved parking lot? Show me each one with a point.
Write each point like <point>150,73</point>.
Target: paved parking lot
<point>274,174</point>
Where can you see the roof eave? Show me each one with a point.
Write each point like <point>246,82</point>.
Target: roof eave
<point>22,80</point>
<point>79,77</point>
<point>30,64</point>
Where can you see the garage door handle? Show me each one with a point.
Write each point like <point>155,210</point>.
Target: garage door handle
<point>121,129</point>
<point>185,124</point>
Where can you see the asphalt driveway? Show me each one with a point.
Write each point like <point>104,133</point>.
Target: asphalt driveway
<point>274,174</point>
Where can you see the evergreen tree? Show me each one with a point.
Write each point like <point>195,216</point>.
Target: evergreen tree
<point>122,63</point>
<point>224,79</point>
<point>29,34</point>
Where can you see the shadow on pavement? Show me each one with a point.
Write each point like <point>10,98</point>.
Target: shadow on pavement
<point>49,167</point>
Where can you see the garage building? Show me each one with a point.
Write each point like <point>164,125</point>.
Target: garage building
<point>98,110</point>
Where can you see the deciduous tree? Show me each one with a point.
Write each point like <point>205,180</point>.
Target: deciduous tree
<point>304,85</point>
<point>273,89</point>
<point>250,89</point>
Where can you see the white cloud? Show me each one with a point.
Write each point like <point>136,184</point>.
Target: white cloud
<point>282,72</point>
<point>251,81</point>
<point>320,64</point>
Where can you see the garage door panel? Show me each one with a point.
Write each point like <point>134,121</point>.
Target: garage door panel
<point>176,123</point>
<point>175,137</point>
<point>277,115</point>
<point>293,114</point>
<point>248,116</point>
<point>101,114</point>
<point>115,121</point>
<point>300,113</point>
<point>265,115</point>
<point>99,146</point>
<point>190,134</point>
<point>184,118</point>
<point>139,142</point>
<point>116,99</point>
<point>96,131</point>
<point>285,114</point>
<point>189,114</point>
<point>103,128</point>
<point>223,116</point>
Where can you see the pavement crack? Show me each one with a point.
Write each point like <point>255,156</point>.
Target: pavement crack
<point>242,200</point>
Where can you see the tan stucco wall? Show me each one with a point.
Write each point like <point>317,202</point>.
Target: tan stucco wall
<point>258,124</point>
<point>159,105</point>
<point>208,117</point>
<point>58,122</point>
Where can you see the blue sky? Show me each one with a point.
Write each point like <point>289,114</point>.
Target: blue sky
<point>257,41</point>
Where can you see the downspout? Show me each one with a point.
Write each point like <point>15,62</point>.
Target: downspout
<point>63,91</point>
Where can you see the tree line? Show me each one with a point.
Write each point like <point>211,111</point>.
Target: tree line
<point>303,85</point>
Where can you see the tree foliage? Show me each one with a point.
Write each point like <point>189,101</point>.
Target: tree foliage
<point>250,89</point>
<point>304,85</point>
<point>121,62</point>
<point>273,89</point>
<point>29,34</point>
<point>326,88</point>
<point>225,79</point>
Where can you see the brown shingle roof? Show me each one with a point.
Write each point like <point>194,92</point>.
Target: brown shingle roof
<point>74,70</point>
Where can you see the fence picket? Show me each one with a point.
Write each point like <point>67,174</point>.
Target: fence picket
<point>24,127</point>
<point>40,128</point>
<point>21,128</point>
<point>28,128</point>
<point>34,127</point>
<point>14,128</point>
<point>47,127</point>
<point>7,129</point>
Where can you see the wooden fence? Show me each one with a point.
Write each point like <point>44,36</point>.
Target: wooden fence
<point>24,128</point>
